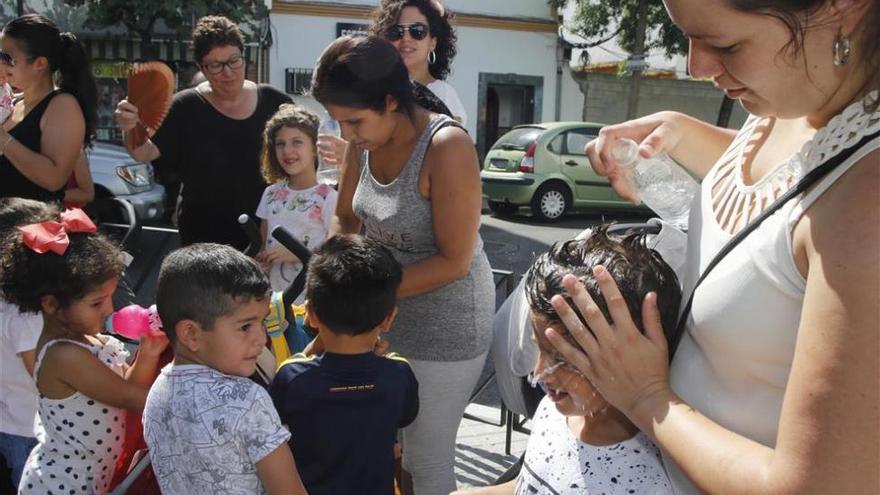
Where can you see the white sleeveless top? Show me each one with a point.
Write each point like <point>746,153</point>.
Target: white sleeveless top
<point>735,357</point>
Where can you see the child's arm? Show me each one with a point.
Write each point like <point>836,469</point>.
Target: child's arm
<point>143,370</point>
<point>78,369</point>
<point>278,472</point>
<point>28,358</point>
<point>505,489</point>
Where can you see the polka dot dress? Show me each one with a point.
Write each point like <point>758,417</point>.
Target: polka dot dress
<point>558,463</point>
<point>79,438</point>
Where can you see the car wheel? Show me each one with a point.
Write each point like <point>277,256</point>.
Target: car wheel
<point>551,201</point>
<point>502,209</point>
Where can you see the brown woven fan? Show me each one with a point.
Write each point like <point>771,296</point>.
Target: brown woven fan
<point>150,89</point>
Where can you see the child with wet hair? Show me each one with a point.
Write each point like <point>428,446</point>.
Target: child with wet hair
<point>580,444</point>
<point>64,270</point>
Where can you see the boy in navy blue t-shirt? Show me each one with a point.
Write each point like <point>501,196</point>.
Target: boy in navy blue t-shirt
<point>344,407</point>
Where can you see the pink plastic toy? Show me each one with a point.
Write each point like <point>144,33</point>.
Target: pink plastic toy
<point>133,321</point>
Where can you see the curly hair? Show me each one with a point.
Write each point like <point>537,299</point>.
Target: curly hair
<point>26,276</point>
<point>636,268</point>
<point>293,116</point>
<point>213,31</point>
<point>21,211</point>
<point>439,18</point>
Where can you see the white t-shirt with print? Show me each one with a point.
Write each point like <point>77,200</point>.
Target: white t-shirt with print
<point>306,213</point>
<point>557,462</point>
<point>207,430</point>
<point>19,332</point>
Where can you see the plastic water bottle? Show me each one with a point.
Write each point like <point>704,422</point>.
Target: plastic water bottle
<point>661,184</point>
<point>328,173</point>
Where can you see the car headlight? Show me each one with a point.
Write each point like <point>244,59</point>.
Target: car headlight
<point>138,175</point>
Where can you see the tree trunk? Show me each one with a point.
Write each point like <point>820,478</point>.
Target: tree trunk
<point>725,112</point>
<point>632,105</point>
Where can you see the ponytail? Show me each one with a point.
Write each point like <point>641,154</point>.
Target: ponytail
<point>38,36</point>
<point>77,79</point>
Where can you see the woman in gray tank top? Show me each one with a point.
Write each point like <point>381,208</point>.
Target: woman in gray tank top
<point>415,187</point>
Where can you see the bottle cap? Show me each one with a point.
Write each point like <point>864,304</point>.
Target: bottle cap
<point>625,152</point>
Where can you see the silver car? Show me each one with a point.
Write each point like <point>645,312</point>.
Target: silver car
<point>116,174</point>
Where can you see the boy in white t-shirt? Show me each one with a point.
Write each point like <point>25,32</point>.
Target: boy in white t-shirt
<point>18,339</point>
<point>579,444</point>
<point>210,429</point>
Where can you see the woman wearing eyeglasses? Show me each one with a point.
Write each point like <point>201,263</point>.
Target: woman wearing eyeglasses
<point>50,124</point>
<point>422,34</point>
<point>212,137</point>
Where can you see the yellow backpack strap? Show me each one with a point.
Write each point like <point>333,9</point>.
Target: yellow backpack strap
<point>298,358</point>
<point>396,357</point>
<point>275,326</point>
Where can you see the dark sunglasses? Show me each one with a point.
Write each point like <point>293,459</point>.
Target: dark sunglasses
<point>6,58</point>
<point>417,31</point>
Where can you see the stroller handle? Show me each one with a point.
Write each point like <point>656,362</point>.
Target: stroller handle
<point>297,248</point>
<point>255,240</point>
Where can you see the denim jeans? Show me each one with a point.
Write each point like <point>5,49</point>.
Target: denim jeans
<point>15,449</point>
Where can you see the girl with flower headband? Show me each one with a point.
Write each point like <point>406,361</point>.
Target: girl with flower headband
<point>294,198</point>
<point>67,272</point>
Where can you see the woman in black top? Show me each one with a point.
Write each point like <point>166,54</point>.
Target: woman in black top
<point>212,137</point>
<point>42,140</point>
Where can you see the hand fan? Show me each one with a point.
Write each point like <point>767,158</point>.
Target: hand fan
<point>150,89</point>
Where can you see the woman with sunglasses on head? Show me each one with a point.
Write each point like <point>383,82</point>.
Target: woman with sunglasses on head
<point>422,33</point>
<point>415,186</point>
<point>212,137</point>
<point>773,388</point>
<point>50,123</point>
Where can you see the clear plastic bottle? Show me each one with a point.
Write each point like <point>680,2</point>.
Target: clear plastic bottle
<point>328,173</point>
<point>661,184</point>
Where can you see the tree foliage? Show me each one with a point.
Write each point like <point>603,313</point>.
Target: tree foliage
<point>140,16</point>
<point>598,21</point>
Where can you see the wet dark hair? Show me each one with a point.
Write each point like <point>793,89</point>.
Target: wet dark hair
<point>21,211</point>
<point>37,36</point>
<point>636,268</point>
<point>212,31</point>
<point>797,16</point>
<point>204,281</point>
<point>26,276</point>
<point>362,72</point>
<point>295,117</point>
<point>352,283</point>
<point>387,13</point>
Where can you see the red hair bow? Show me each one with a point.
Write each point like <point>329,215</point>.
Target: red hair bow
<point>52,236</point>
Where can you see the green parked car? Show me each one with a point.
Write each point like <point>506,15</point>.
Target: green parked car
<point>544,166</point>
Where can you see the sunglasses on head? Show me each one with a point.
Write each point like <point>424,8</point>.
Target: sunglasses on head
<point>417,31</point>
<point>6,58</point>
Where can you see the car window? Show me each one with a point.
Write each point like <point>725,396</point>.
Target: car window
<point>576,139</point>
<point>557,145</point>
<point>519,139</point>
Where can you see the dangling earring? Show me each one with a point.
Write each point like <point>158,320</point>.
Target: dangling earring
<point>432,57</point>
<point>840,49</point>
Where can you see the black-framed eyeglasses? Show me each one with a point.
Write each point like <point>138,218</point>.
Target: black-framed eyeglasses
<point>6,58</point>
<point>214,68</point>
<point>417,31</point>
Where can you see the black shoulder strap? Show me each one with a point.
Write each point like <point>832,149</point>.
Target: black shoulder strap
<point>807,181</point>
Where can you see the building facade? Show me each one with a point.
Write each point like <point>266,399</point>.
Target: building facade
<point>509,69</point>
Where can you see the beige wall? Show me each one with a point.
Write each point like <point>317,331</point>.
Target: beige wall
<point>606,95</point>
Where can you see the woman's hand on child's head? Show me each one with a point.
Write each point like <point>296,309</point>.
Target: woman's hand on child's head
<point>656,133</point>
<point>152,344</point>
<point>628,368</point>
<point>331,149</point>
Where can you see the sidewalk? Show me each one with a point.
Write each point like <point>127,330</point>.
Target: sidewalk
<point>479,448</point>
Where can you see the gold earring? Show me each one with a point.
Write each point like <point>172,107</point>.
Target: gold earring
<point>840,49</point>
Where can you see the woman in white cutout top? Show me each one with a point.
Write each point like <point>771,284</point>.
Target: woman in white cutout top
<point>774,387</point>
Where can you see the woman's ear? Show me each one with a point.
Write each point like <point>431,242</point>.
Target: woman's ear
<point>189,334</point>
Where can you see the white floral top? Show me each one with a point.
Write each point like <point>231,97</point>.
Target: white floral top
<point>306,213</point>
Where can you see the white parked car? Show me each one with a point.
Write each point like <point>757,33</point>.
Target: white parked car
<point>116,174</point>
